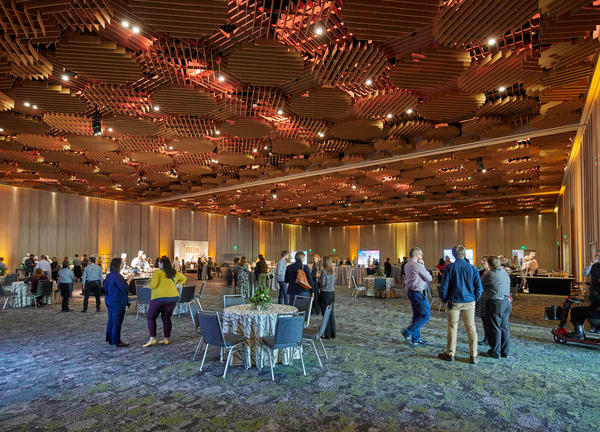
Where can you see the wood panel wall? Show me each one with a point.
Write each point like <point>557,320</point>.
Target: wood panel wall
<point>487,236</point>
<point>57,224</point>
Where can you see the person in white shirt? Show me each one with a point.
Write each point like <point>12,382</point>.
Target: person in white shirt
<point>45,266</point>
<point>177,264</point>
<point>417,280</point>
<point>280,272</point>
<point>139,261</point>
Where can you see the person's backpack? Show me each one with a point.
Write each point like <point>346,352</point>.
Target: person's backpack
<point>302,280</point>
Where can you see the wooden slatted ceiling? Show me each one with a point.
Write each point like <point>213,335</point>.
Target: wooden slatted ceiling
<point>509,106</point>
<point>429,68</point>
<point>568,26</point>
<point>380,104</point>
<point>473,21</point>
<point>13,122</point>
<point>265,63</point>
<point>451,107</point>
<point>182,18</point>
<point>84,54</point>
<point>49,98</point>
<point>320,103</point>
<point>382,20</point>
<point>184,100</point>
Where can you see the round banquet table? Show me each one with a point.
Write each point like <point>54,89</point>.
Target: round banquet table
<point>23,297</point>
<point>253,324</point>
<point>370,285</point>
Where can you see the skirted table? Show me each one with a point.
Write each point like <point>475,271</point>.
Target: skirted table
<point>370,285</point>
<point>253,324</point>
<point>23,297</point>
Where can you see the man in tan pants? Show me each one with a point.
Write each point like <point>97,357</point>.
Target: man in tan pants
<point>460,288</point>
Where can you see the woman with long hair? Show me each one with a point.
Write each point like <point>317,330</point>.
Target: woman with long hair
<point>115,298</point>
<point>163,300</point>
<point>34,280</point>
<point>327,296</point>
<point>244,277</point>
<point>316,275</point>
<point>263,275</point>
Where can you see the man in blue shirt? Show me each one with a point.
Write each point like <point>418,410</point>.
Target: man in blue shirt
<point>460,288</point>
<point>280,272</point>
<point>66,278</point>
<point>291,272</point>
<point>91,279</point>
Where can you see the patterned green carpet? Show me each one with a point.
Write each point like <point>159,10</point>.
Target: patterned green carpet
<point>58,374</point>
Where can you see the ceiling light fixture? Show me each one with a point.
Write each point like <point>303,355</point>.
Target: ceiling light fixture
<point>254,150</point>
<point>125,23</point>
<point>390,115</point>
<point>170,147</point>
<point>491,42</point>
<point>319,30</point>
<point>266,148</point>
<point>321,134</point>
<point>274,194</point>
<point>110,129</point>
<point>65,77</point>
<point>34,106</point>
<point>280,111</point>
<point>409,111</point>
<point>1,129</point>
<point>369,81</point>
<point>221,78</point>
<point>135,29</point>
<point>156,108</point>
<point>27,104</point>
<point>501,89</point>
<point>217,132</point>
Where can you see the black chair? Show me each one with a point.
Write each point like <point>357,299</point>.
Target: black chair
<point>186,296</point>
<point>45,288</point>
<point>9,279</point>
<point>212,334</point>
<point>144,296</point>
<point>198,296</point>
<point>313,334</point>
<point>380,287</point>
<point>304,304</point>
<point>288,334</point>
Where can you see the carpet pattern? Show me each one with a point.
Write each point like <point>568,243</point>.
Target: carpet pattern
<point>58,374</point>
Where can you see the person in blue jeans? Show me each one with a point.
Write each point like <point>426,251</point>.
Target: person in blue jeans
<point>416,280</point>
<point>66,278</point>
<point>280,273</point>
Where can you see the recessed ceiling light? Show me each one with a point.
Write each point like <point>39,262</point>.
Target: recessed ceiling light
<point>110,129</point>
<point>170,147</point>
<point>125,23</point>
<point>1,129</point>
<point>254,150</point>
<point>135,29</point>
<point>27,104</point>
<point>389,115</point>
<point>501,89</point>
<point>491,42</point>
<point>321,134</point>
<point>319,30</point>
<point>217,132</point>
<point>369,81</point>
<point>65,77</point>
<point>34,106</point>
<point>279,111</point>
<point>156,108</point>
<point>409,111</point>
<point>221,78</point>
<point>484,170</point>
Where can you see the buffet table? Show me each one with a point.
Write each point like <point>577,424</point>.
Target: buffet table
<point>553,285</point>
<point>253,324</point>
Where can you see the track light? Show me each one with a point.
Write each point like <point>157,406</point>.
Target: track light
<point>491,42</point>
<point>409,111</point>
<point>321,134</point>
<point>135,29</point>
<point>369,81</point>
<point>274,194</point>
<point>221,78</point>
<point>97,122</point>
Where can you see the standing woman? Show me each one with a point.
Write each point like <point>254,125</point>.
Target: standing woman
<point>480,307</point>
<point>115,297</point>
<point>54,268</point>
<point>327,296</point>
<point>66,278</point>
<point>164,299</point>
<point>316,275</point>
<point>263,275</point>
<point>244,278</point>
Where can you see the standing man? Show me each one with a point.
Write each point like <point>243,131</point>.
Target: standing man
<point>417,282</point>
<point>460,288</point>
<point>91,279</point>
<point>387,268</point>
<point>138,262</point>
<point>45,266</point>
<point>496,290</point>
<point>291,272</point>
<point>29,265</point>
<point>280,272</point>
<point>66,278</point>
<point>77,267</point>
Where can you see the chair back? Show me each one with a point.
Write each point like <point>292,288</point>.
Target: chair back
<point>380,284</point>
<point>354,284</point>
<point>46,287</point>
<point>288,331</point>
<point>232,300</point>
<point>193,315</point>
<point>326,316</point>
<point>210,325</point>
<point>187,293</point>
<point>303,304</point>
<point>144,294</point>
<point>141,282</point>
<point>2,293</point>
<point>201,289</point>
<point>10,278</point>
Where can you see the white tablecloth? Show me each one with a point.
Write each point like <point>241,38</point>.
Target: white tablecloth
<point>23,297</point>
<point>370,285</point>
<point>254,324</point>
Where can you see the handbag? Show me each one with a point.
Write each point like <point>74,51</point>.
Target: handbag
<point>302,280</point>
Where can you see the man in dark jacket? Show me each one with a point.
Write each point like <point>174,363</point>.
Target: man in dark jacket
<point>291,272</point>
<point>461,288</point>
<point>387,268</point>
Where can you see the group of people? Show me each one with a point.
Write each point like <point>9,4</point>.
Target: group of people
<point>461,287</point>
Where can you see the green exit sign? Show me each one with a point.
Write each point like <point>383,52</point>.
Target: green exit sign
<point>234,247</point>
<point>334,250</point>
<point>523,247</point>
<point>310,250</point>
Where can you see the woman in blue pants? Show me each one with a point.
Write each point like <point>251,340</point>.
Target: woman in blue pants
<point>116,293</point>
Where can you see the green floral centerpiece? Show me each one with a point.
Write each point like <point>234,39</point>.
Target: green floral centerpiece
<point>379,273</point>
<point>260,300</point>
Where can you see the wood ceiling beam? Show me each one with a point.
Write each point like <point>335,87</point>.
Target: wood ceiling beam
<point>423,204</point>
<point>372,163</point>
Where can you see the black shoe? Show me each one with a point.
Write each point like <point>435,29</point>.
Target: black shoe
<point>446,356</point>
<point>489,354</point>
<point>406,336</point>
<point>97,310</point>
<point>83,311</point>
<point>122,345</point>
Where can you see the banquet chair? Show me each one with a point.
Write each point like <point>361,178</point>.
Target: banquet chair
<point>434,298</point>
<point>46,288</point>
<point>7,295</point>
<point>9,279</point>
<point>186,296</point>
<point>288,334</point>
<point>144,295</point>
<point>312,334</point>
<point>357,288</point>
<point>212,334</point>
<point>232,300</point>
<point>381,287</point>
<point>304,304</point>
<point>198,296</point>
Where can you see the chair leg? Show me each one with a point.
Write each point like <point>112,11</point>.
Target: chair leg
<point>312,342</point>
<point>227,362</point>
<point>271,363</point>
<point>302,359</point>
<point>221,355</point>
<point>203,358</point>
<point>323,346</point>
<point>198,347</point>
